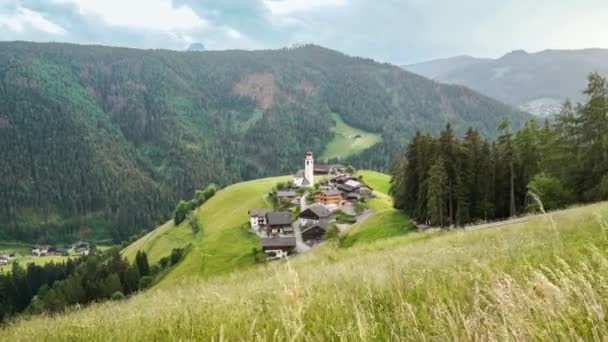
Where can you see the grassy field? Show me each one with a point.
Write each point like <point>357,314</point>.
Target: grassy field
<point>544,279</point>
<point>348,140</point>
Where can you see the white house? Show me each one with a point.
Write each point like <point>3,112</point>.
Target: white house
<point>305,178</point>
<point>257,218</point>
<point>40,250</point>
<point>3,260</point>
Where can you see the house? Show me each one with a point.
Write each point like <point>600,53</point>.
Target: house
<point>279,246</point>
<point>257,218</point>
<point>61,252</point>
<point>366,192</point>
<point>314,214</point>
<point>279,223</point>
<point>305,178</point>
<point>334,169</point>
<point>287,196</point>
<point>82,248</point>
<point>40,250</point>
<point>328,196</point>
<point>352,196</point>
<point>314,232</point>
<point>4,259</point>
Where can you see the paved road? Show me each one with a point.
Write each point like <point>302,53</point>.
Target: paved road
<point>301,247</point>
<point>496,224</point>
<point>364,215</point>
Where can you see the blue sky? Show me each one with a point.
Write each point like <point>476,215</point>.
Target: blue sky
<point>400,32</point>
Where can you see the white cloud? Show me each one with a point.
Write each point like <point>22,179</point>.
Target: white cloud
<point>24,18</point>
<point>159,15</point>
<point>287,7</point>
<point>234,34</point>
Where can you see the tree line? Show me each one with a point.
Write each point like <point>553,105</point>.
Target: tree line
<point>447,181</point>
<point>54,287</point>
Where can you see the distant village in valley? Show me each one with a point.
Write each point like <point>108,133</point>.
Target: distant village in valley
<point>321,200</point>
<point>80,248</point>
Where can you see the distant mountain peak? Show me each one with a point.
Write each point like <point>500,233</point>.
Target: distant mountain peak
<point>197,47</point>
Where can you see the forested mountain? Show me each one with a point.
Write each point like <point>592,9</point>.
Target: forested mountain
<point>536,82</point>
<point>100,141</point>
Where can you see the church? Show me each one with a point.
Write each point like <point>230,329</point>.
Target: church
<point>305,178</point>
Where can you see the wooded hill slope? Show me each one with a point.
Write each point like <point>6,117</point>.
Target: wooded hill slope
<point>100,141</point>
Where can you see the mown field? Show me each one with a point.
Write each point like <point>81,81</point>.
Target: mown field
<point>546,278</point>
<point>348,140</point>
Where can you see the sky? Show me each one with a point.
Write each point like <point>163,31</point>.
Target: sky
<point>400,32</point>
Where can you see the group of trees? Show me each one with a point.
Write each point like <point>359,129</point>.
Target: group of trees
<point>183,208</point>
<point>19,286</point>
<point>450,181</point>
<point>55,286</point>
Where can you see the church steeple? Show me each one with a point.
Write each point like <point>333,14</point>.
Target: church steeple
<point>309,166</point>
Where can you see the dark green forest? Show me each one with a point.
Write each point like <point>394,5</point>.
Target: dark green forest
<point>448,181</point>
<point>101,142</point>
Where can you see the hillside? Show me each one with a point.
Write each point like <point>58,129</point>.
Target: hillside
<point>541,279</point>
<point>225,243</point>
<point>102,142</point>
<point>536,82</point>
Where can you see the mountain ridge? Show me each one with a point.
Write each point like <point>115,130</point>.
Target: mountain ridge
<point>536,82</point>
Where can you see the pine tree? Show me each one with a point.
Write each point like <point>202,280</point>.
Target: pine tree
<point>437,190</point>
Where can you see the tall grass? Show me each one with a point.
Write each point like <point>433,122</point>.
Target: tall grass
<point>517,282</point>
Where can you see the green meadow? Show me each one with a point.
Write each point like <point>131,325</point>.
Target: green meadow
<point>348,140</point>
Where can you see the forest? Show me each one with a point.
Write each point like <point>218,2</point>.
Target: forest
<point>101,143</point>
<point>54,287</point>
<point>447,181</point>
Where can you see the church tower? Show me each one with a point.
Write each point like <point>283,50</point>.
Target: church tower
<point>309,166</point>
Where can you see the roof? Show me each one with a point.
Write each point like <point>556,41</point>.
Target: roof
<point>353,195</point>
<point>281,241</point>
<point>300,174</point>
<point>321,224</point>
<point>339,166</point>
<point>305,181</point>
<point>289,193</point>
<point>281,218</point>
<point>346,188</point>
<point>321,167</point>
<point>258,212</point>
<point>319,211</point>
<point>353,183</point>
<point>330,192</point>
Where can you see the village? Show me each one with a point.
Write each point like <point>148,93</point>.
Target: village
<point>305,210</point>
<point>80,248</point>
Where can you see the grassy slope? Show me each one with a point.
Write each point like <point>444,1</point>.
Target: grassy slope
<point>538,280</point>
<point>385,222</point>
<point>344,143</point>
<point>160,242</point>
<point>223,244</point>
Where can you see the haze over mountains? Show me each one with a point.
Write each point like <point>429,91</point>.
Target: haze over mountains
<point>535,82</point>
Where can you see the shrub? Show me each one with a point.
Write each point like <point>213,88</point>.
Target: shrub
<point>332,232</point>
<point>180,212</point>
<point>176,255</point>
<point>145,282</point>
<point>117,296</point>
<point>551,192</point>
